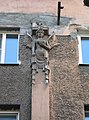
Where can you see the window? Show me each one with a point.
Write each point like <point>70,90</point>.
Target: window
<point>83,50</point>
<point>86,2</point>
<point>9,112</point>
<point>86,108</point>
<point>87,116</point>
<point>9,116</point>
<point>0,46</point>
<point>9,45</point>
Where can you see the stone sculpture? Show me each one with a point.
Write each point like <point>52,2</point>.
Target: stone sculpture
<point>40,52</point>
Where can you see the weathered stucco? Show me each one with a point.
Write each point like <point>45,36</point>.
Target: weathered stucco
<point>69,86</point>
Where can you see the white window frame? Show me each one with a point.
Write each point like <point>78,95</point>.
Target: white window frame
<point>3,46</point>
<point>80,48</point>
<point>10,113</point>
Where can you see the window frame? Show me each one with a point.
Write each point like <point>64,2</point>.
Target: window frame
<point>3,47</point>
<point>80,62</point>
<point>10,113</point>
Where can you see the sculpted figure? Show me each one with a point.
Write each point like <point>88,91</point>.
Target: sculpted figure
<point>40,49</point>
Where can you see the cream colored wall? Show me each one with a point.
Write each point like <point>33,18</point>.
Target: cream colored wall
<point>76,9</point>
<point>28,6</point>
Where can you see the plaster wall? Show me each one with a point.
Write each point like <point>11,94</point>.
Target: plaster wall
<point>75,9</point>
<point>69,88</point>
<point>28,6</point>
<point>40,97</point>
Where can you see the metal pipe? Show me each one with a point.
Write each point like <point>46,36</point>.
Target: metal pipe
<point>59,11</point>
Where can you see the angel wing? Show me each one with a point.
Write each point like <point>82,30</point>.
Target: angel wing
<point>52,40</point>
<point>31,39</point>
<point>29,36</point>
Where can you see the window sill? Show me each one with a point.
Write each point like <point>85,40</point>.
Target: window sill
<point>18,63</point>
<point>9,64</point>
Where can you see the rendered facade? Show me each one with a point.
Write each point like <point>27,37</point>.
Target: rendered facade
<point>44,67</point>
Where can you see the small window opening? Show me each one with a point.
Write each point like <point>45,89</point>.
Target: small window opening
<point>86,109</point>
<point>9,112</point>
<point>86,2</point>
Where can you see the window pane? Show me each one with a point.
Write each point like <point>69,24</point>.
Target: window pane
<point>0,46</point>
<point>0,43</point>
<point>13,36</point>
<point>0,55</point>
<point>7,117</point>
<point>85,51</point>
<point>87,118</point>
<point>11,51</point>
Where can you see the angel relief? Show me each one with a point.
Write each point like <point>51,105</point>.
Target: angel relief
<point>40,49</point>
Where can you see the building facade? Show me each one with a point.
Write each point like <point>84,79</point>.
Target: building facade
<point>44,67</point>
